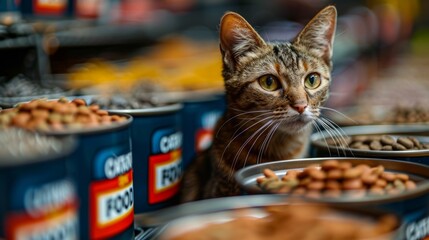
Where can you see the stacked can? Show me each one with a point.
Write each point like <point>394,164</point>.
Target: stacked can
<point>39,198</point>
<point>156,134</point>
<point>102,165</point>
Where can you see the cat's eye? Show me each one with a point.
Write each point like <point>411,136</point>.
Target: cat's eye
<point>269,82</point>
<point>312,81</point>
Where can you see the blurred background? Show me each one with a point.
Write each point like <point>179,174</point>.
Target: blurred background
<point>92,46</point>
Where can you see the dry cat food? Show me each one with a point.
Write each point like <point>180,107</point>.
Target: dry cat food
<point>295,222</point>
<point>336,179</point>
<point>20,86</point>
<point>381,143</point>
<point>62,114</point>
<point>124,102</point>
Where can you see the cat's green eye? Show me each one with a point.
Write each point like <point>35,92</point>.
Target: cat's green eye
<point>269,82</point>
<point>312,81</point>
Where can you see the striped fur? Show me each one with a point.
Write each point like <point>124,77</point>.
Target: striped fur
<point>260,125</point>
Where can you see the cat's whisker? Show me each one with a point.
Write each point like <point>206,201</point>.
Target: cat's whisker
<point>254,142</point>
<point>331,134</point>
<point>340,113</point>
<point>238,115</point>
<point>338,137</point>
<point>237,155</point>
<point>321,132</point>
<point>235,137</point>
<point>265,144</point>
<point>340,132</point>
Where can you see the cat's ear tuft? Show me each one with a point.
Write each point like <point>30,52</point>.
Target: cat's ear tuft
<point>237,37</point>
<point>318,35</point>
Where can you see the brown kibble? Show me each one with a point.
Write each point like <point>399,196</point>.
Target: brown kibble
<point>102,112</point>
<point>390,177</point>
<point>351,184</point>
<point>317,174</point>
<point>397,146</point>
<point>63,100</point>
<point>54,118</point>
<point>21,119</point>
<point>316,185</point>
<point>270,173</point>
<point>356,145</point>
<point>403,177</point>
<point>377,170</point>
<point>380,183</point>
<point>375,145</point>
<point>27,106</point>
<point>415,141</point>
<point>399,184</point>
<point>369,178</point>
<point>409,185</point>
<point>345,165</point>
<point>332,185</point>
<point>48,105</point>
<point>387,148</point>
<point>60,108</point>
<point>335,174</point>
<point>284,189</point>
<point>330,164</point>
<point>387,140</point>
<point>94,108</point>
<point>83,110</point>
<point>40,113</point>
<point>353,173</point>
<point>405,142</point>
<point>79,102</point>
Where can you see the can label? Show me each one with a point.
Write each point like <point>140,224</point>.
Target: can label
<point>204,135</point>
<point>50,7</point>
<point>165,165</point>
<point>418,229</point>
<point>50,212</point>
<point>112,194</point>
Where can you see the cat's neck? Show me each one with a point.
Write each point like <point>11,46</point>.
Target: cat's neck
<point>243,141</point>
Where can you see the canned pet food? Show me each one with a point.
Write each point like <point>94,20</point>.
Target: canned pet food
<point>103,165</point>
<point>402,142</point>
<point>411,205</point>
<point>270,217</point>
<point>200,115</point>
<point>39,199</point>
<point>156,135</point>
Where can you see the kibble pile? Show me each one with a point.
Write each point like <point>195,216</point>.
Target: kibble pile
<point>381,143</point>
<point>336,179</point>
<point>62,114</point>
<point>124,102</point>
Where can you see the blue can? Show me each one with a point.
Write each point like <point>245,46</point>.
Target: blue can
<point>39,199</point>
<point>157,152</point>
<point>104,175</point>
<point>200,116</point>
<point>419,131</point>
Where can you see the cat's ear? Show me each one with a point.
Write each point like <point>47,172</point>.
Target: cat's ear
<point>237,37</point>
<point>318,35</point>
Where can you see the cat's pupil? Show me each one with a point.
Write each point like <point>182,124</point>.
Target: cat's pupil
<point>269,81</point>
<point>312,79</point>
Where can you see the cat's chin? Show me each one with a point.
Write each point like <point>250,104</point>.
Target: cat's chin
<point>295,127</point>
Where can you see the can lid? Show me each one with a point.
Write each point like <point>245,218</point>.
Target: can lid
<point>21,147</point>
<point>150,111</point>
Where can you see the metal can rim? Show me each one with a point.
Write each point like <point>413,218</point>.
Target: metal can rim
<point>171,108</point>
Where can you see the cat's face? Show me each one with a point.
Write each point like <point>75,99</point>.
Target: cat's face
<point>281,82</point>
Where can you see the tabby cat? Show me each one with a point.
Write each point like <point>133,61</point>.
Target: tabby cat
<point>274,91</point>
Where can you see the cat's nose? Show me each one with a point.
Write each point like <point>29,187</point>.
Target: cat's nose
<point>299,107</point>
